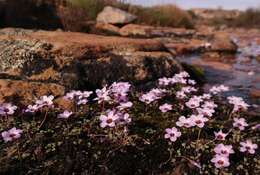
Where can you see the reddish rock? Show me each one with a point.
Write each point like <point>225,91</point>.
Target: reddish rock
<point>222,43</point>
<point>255,93</point>
<point>186,46</point>
<point>19,91</point>
<point>107,28</point>
<point>151,31</point>
<point>78,61</point>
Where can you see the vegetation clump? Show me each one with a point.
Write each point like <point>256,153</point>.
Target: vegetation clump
<point>173,128</point>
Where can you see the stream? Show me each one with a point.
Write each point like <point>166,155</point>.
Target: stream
<point>241,73</point>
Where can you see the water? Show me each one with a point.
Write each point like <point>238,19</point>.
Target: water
<point>241,74</point>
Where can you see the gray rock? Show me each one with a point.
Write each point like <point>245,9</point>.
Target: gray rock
<point>113,15</point>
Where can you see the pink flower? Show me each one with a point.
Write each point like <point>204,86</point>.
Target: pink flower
<point>165,108</point>
<point>45,101</point>
<point>248,146</point>
<point>85,94</point>
<point>32,108</point>
<point>158,93</point>
<point>152,95</point>
<point>120,88</point>
<point>183,74</point>
<point>184,122</point>
<point>220,135</point>
<point>148,98</point>
<point>240,123</point>
<point>125,105</point>
<point>194,102</point>
<point>124,118</point>
<point>220,161</point>
<point>109,119</point>
<point>181,95</point>
<point>209,104</point>
<point>219,89</point>
<point>83,97</point>
<point>120,91</point>
<point>238,103</point>
<point>7,109</point>
<point>256,127</point>
<point>72,95</point>
<point>172,134</point>
<point>206,96</point>
<point>66,114</point>
<point>102,95</point>
<point>198,120</point>
<point>192,82</point>
<point>164,81</point>
<point>82,101</point>
<point>11,134</point>
<point>224,150</point>
<point>206,111</point>
<point>188,89</point>
<point>79,96</point>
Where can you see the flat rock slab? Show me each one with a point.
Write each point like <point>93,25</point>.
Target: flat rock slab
<point>70,60</point>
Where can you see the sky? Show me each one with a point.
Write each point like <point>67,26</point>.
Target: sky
<point>225,4</point>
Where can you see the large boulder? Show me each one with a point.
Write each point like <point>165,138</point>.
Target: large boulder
<point>59,61</point>
<point>113,15</point>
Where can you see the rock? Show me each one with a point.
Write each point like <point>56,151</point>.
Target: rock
<point>71,60</point>
<point>107,28</point>
<point>111,15</point>
<point>222,43</point>
<point>151,31</point>
<point>255,90</point>
<point>216,13</point>
<point>258,58</point>
<point>255,93</point>
<point>24,57</point>
<point>211,56</point>
<point>186,46</point>
<point>25,92</point>
<point>135,30</point>
<point>15,31</point>
<point>136,67</point>
<point>203,32</point>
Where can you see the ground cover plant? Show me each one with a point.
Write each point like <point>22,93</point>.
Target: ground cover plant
<point>172,128</point>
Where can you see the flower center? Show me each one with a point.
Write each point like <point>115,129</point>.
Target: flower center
<point>220,162</point>
<point>109,121</point>
<point>224,152</point>
<point>6,110</point>
<point>12,135</point>
<point>239,124</point>
<point>186,124</point>
<point>172,134</point>
<point>198,122</point>
<point>247,147</point>
<point>220,137</point>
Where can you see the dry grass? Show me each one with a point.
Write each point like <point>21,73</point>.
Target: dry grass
<point>248,19</point>
<point>164,15</point>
